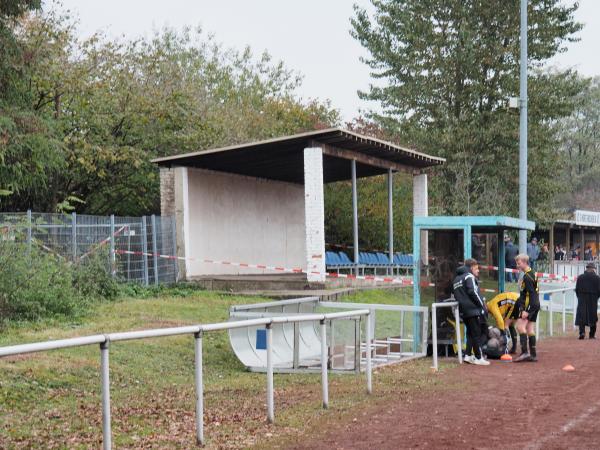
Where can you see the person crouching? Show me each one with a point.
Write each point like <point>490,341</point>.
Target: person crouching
<point>472,309</point>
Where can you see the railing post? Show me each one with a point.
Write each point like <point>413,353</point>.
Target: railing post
<point>145,250</point>
<point>564,312</point>
<point>434,344</point>
<point>324,358</point>
<point>154,250</point>
<point>105,380</point>
<point>368,352</point>
<point>270,397</point>
<point>113,257</point>
<point>74,235</point>
<point>551,318</point>
<point>458,337</point>
<point>199,388</point>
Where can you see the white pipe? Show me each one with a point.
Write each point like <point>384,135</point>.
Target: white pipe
<point>270,396</point>
<point>105,388</point>
<point>52,345</point>
<point>199,388</point>
<point>434,345</point>
<point>564,312</point>
<point>458,339</point>
<point>368,355</point>
<point>324,364</point>
<point>158,332</point>
<point>551,318</point>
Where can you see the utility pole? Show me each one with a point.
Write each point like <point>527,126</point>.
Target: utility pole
<point>523,129</point>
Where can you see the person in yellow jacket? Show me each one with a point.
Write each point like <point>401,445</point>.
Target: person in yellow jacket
<point>503,309</point>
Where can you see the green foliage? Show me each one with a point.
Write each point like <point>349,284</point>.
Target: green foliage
<point>445,69</point>
<point>34,285</point>
<point>579,136</point>
<point>110,106</point>
<point>372,213</point>
<point>92,277</point>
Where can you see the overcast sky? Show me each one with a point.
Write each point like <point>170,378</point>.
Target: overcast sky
<point>311,36</point>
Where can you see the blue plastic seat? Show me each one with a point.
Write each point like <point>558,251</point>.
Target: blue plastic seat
<point>345,260</point>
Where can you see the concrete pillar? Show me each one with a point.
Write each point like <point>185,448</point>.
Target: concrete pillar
<point>167,191</point>
<point>314,214</point>
<point>182,219</point>
<point>421,208</point>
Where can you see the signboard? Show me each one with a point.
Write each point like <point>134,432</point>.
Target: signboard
<point>587,218</point>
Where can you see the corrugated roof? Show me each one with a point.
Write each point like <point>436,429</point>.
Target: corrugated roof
<point>282,158</point>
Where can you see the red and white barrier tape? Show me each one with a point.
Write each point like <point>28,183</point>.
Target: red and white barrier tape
<point>394,280</point>
<point>103,242</point>
<point>551,276</point>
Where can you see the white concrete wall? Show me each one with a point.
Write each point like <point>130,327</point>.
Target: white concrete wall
<point>243,219</point>
<point>314,214</point>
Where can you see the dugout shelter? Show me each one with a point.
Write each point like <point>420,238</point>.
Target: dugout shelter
<point>446,241</point>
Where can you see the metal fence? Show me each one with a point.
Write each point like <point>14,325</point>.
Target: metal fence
<point>77,236</point>
<point>105,340</point>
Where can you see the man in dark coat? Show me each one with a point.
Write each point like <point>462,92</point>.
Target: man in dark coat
<point>588,291</point>
<point>472,306</point>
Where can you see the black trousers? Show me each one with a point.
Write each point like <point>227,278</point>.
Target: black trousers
<point>592,330</point>
<point>473,325</point>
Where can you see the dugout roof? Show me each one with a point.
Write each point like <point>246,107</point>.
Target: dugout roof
<point>282,158</point>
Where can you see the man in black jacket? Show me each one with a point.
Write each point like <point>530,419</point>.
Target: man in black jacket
<point>472,309</point>
<point>588,291</point>
<point>510,253</point>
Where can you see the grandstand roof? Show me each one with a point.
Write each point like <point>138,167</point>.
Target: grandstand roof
<point>282,158</point>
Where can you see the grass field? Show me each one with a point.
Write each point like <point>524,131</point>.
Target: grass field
<point>51,400</point>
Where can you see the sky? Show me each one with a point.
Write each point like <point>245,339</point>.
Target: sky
<point>310,36</point>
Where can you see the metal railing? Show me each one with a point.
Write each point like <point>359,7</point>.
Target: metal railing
<point>104,341</point>
<point>434,336</point>
<point>548,306</point>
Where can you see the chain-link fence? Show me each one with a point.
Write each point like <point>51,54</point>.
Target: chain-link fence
<point>131,243</point>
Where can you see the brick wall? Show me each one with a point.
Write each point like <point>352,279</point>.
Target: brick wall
<point>167,191</point>
<point>314,213</point>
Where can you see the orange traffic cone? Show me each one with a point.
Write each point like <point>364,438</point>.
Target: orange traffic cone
<point>506,358</point>
<point>569,368</point>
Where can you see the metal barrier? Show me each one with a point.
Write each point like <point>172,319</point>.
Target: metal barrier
<point>104,340</point>
<point>434,337</point>
<point>397,333</point>
<point>548,306</point>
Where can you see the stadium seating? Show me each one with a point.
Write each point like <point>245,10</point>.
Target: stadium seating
<point>370,261</point>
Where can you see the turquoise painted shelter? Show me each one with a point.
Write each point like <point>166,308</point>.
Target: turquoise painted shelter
<point>452,239</point>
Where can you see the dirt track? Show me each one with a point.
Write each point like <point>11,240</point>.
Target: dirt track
<point>492,410</point>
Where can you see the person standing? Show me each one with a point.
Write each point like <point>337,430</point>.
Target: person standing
<point>528,307</point>
<point>510,253</point>
<point>587,289</point>
<point>533,251</point>
<point>472,309</point>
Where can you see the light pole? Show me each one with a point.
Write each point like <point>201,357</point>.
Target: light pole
<point>523,129</point>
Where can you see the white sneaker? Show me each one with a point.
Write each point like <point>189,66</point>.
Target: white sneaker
<point>468,359</point>
<point>480,362</point>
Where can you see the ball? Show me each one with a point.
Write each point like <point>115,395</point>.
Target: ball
<point>495,333</point>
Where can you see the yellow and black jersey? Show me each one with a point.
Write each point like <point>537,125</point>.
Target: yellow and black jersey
<point>502,306</point>
<point>529,299</point>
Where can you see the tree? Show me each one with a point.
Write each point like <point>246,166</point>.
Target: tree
<point>444,71</point>
<point>110,106</point>
<point>579,136</point>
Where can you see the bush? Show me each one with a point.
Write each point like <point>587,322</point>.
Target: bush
<point>35,284</point>
<point>92,278</point>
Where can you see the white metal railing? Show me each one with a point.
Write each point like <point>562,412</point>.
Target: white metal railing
<point>548,305</point>
<point>104,340</point>
<point>434,337</point>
